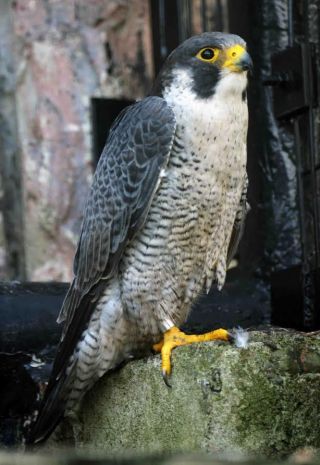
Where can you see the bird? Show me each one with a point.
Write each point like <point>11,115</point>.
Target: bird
<point>163,218</point>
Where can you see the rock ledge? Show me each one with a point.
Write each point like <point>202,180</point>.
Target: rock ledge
<point>263,400</point>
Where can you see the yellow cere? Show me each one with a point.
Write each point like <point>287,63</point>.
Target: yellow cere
<point>232,56</point>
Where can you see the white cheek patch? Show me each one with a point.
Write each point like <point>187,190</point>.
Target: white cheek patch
<point>230,85</point>
<point>228,94</point>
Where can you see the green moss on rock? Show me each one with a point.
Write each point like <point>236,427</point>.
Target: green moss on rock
<point>263,400</point>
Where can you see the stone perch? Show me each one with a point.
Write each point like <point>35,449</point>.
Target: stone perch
<point>262,400</point>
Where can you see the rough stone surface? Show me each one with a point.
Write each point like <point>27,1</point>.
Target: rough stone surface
<point>262,400</point>
<point>306,456</point>
<point>65,54</point>
<point>12,251</point>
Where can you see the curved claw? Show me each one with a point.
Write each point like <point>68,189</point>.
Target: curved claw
<point>165,377</point>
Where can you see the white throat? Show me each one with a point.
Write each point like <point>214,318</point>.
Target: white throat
<point>210,116</point>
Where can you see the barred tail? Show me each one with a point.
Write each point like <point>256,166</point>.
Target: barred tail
<point>82,358</point>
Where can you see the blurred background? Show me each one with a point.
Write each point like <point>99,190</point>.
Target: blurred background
<point>67,68</point>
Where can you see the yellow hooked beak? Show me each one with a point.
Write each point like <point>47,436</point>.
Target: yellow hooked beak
<point>237,59</point>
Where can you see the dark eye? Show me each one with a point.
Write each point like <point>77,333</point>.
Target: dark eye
<point>207,54</point>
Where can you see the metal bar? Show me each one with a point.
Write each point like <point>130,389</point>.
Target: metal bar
<point>314,184</point>
<point>154,16</point>
<point>184,8</point>
<point>290,23</point>
<point>162,30</point>
<point>171,23</point>
<point>219,20</point>
<point>312,147</point>
<point>302,215</point>
<point>158,32</point>
<point>311,261</point>
<point>204,15</point>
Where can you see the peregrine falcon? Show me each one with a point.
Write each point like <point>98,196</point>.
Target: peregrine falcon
<point>162,220</point>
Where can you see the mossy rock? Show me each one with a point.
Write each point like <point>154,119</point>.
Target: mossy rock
<point>263,400</point>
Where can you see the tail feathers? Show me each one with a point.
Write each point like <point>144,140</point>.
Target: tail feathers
<point>51,412</point>
<point>62,393</point>
<point>56,395</point>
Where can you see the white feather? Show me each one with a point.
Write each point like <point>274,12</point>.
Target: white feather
<point>241,338</point>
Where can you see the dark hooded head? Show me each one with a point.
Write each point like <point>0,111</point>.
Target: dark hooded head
<point>207,58</point>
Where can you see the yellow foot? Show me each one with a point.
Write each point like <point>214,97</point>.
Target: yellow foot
<point>174,338</point>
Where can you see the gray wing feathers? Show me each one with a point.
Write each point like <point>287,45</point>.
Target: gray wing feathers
<point>126,177</point>
<point>238,226</point>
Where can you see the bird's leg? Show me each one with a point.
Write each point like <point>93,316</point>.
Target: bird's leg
<point>175,338</point>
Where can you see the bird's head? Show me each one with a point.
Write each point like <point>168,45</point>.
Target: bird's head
<point>207,59</point>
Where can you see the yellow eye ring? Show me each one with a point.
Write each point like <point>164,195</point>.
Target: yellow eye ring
<point>208,54</point>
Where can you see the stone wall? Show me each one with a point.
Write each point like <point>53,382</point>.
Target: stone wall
<point>65,54</point>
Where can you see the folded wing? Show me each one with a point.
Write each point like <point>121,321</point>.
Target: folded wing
<point>126,178</point>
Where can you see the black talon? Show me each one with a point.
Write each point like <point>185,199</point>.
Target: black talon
<point>166,379</point>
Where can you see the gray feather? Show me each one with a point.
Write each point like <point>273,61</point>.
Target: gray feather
<point>127,174</point>
<point>138,146</point>
<point>239,223</point>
